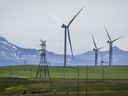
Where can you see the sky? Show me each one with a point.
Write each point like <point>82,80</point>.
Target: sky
<point>25,22</point>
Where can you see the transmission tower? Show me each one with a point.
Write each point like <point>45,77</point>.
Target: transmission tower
<point>43,70</point>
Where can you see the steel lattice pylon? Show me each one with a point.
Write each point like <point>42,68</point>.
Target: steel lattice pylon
<point>43,70</point>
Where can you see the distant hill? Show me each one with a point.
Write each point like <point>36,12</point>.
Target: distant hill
<point>120,57</point>
<point>11,54</point>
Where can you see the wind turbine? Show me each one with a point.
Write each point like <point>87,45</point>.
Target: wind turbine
<point>96,49</point>
<point>67,35</point>
<point>110,42</point>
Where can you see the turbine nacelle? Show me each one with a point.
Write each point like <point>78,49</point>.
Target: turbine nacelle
<point>109,41</point>
<point>97,49</point>
<point>64,26</point>
<point>94,49</point>
<point>43,43</point>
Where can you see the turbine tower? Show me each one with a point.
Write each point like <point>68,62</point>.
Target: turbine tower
<point>110,42</point>
<point>43,70</point>
<point>96,49</point>
<point>67,33</point>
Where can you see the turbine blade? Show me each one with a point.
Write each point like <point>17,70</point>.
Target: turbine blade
<point>69,38</point>
<point>107,33</point>
<point>57,19</point>
<point>116,39</point>
<point>75,16</point>
<point>100,48</point>
<point>94,41</point>
<point>41,41</point>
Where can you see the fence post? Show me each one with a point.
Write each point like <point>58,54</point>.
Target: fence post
<point>86,81</point>
<point>66,92</point>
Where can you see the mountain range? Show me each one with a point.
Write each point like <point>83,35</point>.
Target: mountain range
<point>11,54</point>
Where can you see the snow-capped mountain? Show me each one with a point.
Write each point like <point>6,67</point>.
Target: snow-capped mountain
<point>11,54</point>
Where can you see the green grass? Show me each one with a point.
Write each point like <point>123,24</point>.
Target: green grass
<point>50,87</point>
<point>113,72</point>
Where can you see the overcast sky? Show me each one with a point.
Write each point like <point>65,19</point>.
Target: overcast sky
<point>25,22</point>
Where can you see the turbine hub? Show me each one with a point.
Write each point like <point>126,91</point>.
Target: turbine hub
<point>108,41</point>
<point>63,26</point>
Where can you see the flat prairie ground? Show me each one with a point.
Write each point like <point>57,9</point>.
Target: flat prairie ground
<point>98,72</point>
<point>21,81</point>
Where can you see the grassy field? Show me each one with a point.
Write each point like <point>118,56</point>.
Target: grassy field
<point>24,83</point>
<point>28,71</point>
<point>60,87</point>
